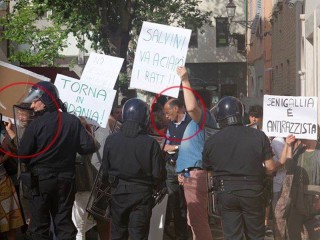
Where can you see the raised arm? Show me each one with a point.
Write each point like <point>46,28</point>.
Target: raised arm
<point>287,150</point>
<point>9,129</point>
<point>190,100</point>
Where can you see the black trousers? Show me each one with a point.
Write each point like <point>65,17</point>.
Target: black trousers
<point>176,204</point>
<point>55,198</point>
<point>242,214</point>
<point>131,209</point>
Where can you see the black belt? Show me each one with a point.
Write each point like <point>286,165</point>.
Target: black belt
<point>239,178</point>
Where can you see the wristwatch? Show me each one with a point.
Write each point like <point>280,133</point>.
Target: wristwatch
<point>176,147</point>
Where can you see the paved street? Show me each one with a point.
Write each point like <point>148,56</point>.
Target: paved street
<point>214,223</point>
<point>215,229</point>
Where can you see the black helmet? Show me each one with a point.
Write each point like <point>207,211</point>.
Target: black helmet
<point>45,91</point>
<point>229,111</point>
<point>135,110</point>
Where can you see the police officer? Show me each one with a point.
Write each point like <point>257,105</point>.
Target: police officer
<point>134,166</point>
<point>240,157</point>
<point>52,171</point>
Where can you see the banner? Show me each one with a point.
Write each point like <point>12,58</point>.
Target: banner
<point>284,115</point>
<point>86,99</point>
<point>102,70</point>
<point>161,49</point>
<point>12,90</point>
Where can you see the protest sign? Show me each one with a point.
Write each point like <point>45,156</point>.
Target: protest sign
<point>14,85</point>
<point>161,49</point>
<point>86,99</point>
<point>284,115</point>
<point>102,70</point>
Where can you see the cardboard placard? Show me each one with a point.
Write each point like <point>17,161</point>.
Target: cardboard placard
<point>161,49</point>
<point>284,115</point>
<point>13,76</point>
<point>86,99</point>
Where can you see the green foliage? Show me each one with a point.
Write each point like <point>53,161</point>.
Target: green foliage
<point>39,41</point>
<point>110,25</point>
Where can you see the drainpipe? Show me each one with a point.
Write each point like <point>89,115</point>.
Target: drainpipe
<point>302,57</point>
<point>246,44</point>
<point>315,53</point>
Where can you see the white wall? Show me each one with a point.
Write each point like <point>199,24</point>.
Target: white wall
<point>207,51</point>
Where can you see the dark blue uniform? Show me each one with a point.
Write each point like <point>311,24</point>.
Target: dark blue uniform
<point>236,154</point>
<point>133,163</point>
<point>53,171</point>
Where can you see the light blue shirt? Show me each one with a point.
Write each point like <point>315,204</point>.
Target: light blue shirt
<point>190,151</point>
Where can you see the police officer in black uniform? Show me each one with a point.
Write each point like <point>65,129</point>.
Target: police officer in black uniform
<point>132,161</point>
<point>53,171</point>
<point>240,157</point>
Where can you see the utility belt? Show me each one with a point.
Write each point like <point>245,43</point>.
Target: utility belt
<point>114,181</point>
<point>42,171</point>
<point>30,179</point>
<point>157,196</point>
<point>231,183</point>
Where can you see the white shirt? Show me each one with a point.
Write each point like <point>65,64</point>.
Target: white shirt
<point>277,145</point>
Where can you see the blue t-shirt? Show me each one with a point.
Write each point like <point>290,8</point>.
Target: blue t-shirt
<point>190,151</point>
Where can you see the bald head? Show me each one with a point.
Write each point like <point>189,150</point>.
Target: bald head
<point>174,110</point>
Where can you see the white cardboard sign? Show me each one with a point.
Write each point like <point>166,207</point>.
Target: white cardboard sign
<point>102,70</point>
<point>161,49</point>
<point>86,99</point>
<point>284,115</point>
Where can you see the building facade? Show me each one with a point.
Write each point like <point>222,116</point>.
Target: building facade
<point>309,71</point>
<point>217,62</point>
<point>259,49</point>
<point>286,32</point>
<point>216,58</point>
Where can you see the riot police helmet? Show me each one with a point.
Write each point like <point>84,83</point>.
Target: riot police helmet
<point>45,91</point>
<point>229,111</point>
<point>136,110</point>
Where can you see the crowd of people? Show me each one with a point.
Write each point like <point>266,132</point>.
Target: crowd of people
<point>255,178</point>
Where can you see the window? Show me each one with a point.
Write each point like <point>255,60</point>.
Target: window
<point>241,42</point>
<point>194,36</point>
<point>222,32</point>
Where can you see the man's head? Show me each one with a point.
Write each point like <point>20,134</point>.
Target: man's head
<point>136,110</point>
<point>117,112</point>
<point>41,96</point>
<point>255,114</point>
<point>229,111</point>
<point>174,110</point>
<point>24,114</point>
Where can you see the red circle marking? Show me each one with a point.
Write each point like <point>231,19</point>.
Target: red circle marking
<point>201,124</point>
<point>58,128</point>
